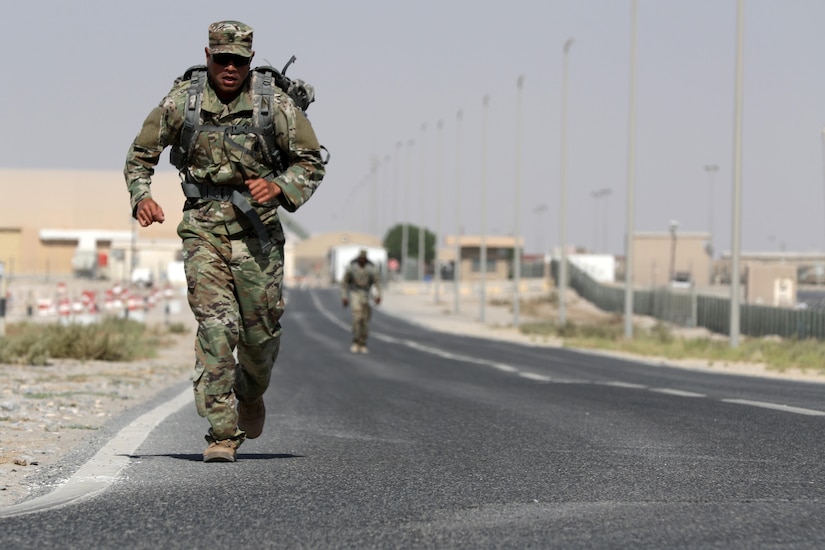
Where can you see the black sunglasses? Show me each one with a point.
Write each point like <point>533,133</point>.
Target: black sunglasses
<point>224,59</point>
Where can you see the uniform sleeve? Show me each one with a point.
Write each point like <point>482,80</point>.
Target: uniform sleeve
<point>160,129</point>
<point>345,282</point>
<point>304,168</point>
<point>376,283</point>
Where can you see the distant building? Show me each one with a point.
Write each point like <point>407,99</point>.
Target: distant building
<point>499,255</point>
<point>66,223</point>
<point>662,257</point>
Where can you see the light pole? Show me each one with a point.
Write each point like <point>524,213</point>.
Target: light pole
<point>397,186</point>
<point>711,170</point>
<point>823,155</point>
<point>397,180</point>
<point>374,195</point>
<point>422,202</point>
<point>436,264</point>
<point>538,211</point>
<point>605,225</point>
<point>517,228</point>
<point>598,194</point>
<point>457,265</point>
<point>388,190</point>
<point>737,177</point>
<point>483,252</point>
<point>405,229</point>
<point>631,177</point>
<point>563,192</point>
<point>674,225</point>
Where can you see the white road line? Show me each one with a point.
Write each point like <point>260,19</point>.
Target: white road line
<point>105,466</point>
<point>503,367</point>
<point>416,345</point>
<point>623,385</point>
<point>542,378</point>
<point>775,406</point>
<point>571,381</point>
<point>680,393</point>
<point>536,377</point>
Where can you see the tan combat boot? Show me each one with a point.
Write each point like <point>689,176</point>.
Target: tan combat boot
<point>221,451</point>
<point>354,348</point>
<point>251,417</point>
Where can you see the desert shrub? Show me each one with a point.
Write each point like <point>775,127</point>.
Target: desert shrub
<point>110,340</point>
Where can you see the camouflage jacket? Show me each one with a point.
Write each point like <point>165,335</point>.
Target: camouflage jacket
<point>216,162</point>
<point>360,279</point>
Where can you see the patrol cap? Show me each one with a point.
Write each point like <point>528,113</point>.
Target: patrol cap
<point>231,37</point>
<point>362,253</point>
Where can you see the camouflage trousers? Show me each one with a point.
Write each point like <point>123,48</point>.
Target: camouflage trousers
<point>361,313</point>
<point>235,292</point>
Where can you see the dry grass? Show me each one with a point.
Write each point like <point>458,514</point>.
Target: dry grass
<point>110,340</point>
<point>591,328</point>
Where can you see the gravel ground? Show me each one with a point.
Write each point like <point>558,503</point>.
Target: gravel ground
<point>48,413</point>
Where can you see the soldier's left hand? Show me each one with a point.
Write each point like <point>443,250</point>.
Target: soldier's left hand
<point>262,191</point>
<point>378,300</point>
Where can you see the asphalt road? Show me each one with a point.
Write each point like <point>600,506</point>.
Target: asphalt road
<point>439,441</point>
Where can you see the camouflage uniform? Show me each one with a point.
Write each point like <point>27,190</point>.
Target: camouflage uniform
<point>356,285</point>
<point>234,287</point>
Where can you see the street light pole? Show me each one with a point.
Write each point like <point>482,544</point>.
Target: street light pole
<point>607,192</point>
<point>673,226</point>
<point>540,229</point>
<point>711,169</point>
<point>457,264</point>
<point>374,195</point>
<point>438,238</point>
<point>388,190</point>
<point>422,201</point>
<point>483,253</point>
<point>397,185</point>
<point>563,192</point>
<point>517,228</point>
<point>599,194</point>
<point>397,180</point>
<point>823,155</point>
<point>737,177</point>
<point>631,177</point>
<point>405,229</point>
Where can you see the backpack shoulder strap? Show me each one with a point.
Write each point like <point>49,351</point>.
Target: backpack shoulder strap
<point>264,81</point>
<point>196,75</point>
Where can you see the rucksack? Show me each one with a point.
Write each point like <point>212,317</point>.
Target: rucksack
<point>264,79</point>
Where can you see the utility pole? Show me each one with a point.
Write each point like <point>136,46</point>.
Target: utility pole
<point>737,178</point>
<point>422,205</point>
<point>457,265</point>
<point>483,253</point>
<point>563,198</point>
<point>711,169</point>
<point>405,229</point>
<point>631,180</point>
<point>517,228</point>
<point>436,264</point>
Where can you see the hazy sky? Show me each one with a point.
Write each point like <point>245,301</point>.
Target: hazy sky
<point>84,76</point>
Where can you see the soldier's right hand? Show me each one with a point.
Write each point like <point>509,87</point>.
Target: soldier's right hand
<point>148,212</point>
<point>345,302</point>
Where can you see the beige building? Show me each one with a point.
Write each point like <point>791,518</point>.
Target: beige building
<point>659,257</point>
<point>771,285</point>
<point>60,222</point>
<point>63,223</point>
<point>499,255</point>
